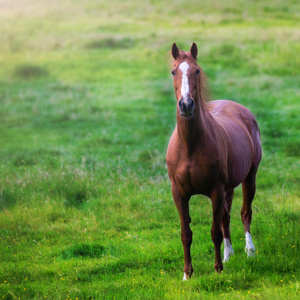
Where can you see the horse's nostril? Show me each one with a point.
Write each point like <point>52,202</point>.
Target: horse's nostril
<point>191,104</point>
<point>181,104</point>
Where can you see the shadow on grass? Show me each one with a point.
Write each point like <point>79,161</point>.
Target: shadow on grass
<point>111,43</point>
<point>7,199</point>
<point>83,250</point>
<point>30,71</point>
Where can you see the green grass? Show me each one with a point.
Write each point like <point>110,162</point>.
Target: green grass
<point>87,108</point>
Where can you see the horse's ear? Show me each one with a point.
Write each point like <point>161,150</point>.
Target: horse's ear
<point>175,51</point>
<point>194,51</point>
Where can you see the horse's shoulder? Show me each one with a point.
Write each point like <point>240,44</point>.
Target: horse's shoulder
<point>172,151</point>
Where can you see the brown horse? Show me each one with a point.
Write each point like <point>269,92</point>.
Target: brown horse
<point>214,147</point>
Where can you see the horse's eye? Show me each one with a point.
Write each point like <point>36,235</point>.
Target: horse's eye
<point>173,72</point>
<point>197,72</point>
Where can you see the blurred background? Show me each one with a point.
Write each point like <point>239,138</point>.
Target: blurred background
<point>87,108</point>
<point>106,65</point>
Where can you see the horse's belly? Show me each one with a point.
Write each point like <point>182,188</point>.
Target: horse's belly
<point>239,167</point>
<point>240,153</point>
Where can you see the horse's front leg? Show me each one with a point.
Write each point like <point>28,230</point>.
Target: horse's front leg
<point>182,204</point>
<point>217,198</point>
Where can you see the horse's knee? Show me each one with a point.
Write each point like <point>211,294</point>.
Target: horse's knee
<point>246,215</point>
<point>216,235</point>
<point>187,237</point>
<point>246,212</point>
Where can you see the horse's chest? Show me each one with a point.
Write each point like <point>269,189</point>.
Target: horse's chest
<point>193,180</point>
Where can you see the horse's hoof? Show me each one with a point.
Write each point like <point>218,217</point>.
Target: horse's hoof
<point>185,277</point>
<point>228,250</point>
<point>249,249</point>
<point>250,252</point>
<point>218,268</point>
<point>187,272</point>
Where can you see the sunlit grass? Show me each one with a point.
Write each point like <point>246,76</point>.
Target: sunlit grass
<point>87,109</point>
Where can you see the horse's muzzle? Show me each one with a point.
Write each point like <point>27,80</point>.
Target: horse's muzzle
<point>186,106</point>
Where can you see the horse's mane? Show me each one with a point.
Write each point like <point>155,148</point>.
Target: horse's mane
<point>204,90</point>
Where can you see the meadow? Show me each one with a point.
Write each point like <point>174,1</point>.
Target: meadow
<point>87,108</point>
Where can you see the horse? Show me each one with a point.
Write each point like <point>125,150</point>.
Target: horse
<point>214,147</point>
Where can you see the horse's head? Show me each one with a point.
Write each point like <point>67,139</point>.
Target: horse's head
<point>186,74</point>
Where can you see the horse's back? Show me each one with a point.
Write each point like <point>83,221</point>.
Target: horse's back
<point>228,108</point>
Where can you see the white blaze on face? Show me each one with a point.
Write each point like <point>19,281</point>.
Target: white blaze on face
<point>185,89</point>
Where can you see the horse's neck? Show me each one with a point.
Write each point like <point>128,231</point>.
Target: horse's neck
<point>194,131</point>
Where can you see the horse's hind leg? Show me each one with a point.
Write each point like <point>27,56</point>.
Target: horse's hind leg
<point>246,211</point>
<point>228,250</point>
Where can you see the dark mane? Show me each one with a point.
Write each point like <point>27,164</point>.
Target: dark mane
<point>204,90</point>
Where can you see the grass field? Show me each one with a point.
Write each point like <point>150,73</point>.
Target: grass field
<point>86,110</point>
